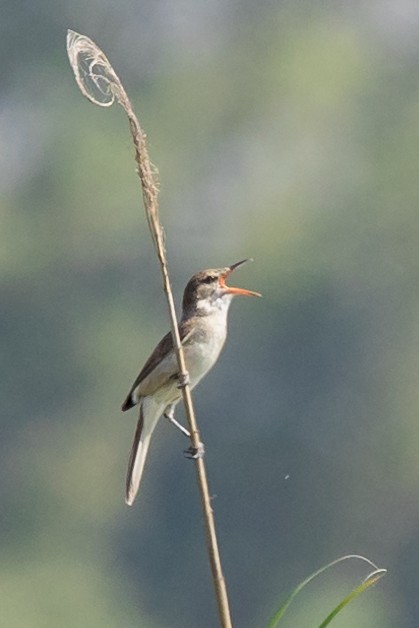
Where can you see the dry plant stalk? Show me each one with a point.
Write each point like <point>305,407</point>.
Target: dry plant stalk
<point>99,83</point>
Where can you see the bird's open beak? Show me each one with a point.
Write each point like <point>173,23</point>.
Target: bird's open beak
<point>236,291</point>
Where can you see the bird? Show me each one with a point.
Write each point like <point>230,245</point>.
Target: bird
<point>157,389</point>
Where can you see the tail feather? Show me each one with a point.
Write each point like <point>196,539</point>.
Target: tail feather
<point>147,421</point>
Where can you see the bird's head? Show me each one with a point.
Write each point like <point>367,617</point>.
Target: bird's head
<point>207,290</point>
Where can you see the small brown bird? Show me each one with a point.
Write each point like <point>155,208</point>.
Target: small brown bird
<point>203,330</point>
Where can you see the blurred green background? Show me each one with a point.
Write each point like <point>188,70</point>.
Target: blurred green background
<point>285,131</point>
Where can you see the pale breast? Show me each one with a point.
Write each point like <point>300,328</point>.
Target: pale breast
<point>204,346</point>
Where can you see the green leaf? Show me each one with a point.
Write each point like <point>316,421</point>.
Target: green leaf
<point>374,577</point>
<point>371,579</point>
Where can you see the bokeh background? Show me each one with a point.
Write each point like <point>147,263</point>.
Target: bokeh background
<point>286,131</point>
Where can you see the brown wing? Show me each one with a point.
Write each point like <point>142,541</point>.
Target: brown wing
<point>157,358</point>
<point>163,348</point>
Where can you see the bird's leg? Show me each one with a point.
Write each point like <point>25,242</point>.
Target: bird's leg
<point>192,452</point>
<point>169,413</point>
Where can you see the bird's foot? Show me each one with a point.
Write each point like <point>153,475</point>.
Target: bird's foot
<point>183,380</point>
<point>193,453</point>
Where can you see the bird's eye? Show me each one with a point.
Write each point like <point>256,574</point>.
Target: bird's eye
<point>209,279</point>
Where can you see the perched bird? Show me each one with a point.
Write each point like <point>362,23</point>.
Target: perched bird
<point>203,330</point>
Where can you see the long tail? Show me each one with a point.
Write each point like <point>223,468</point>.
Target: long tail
<point>150,413</point>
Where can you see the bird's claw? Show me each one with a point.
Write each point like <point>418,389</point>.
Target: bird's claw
<point>193,453</point>
<point>183,380</point>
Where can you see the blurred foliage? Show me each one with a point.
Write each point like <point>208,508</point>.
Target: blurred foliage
<point>284,131</point>
<point>370,580</point>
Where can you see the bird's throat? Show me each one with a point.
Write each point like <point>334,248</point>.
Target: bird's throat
<point>214,307</point>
